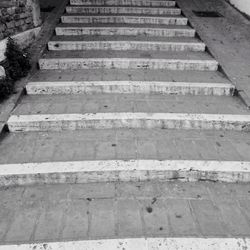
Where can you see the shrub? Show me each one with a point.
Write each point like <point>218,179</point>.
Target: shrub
<point>17,61</point>
<point>16,64</point>
<point>6,88</point>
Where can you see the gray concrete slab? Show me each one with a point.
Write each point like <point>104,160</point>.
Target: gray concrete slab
<point>228,38</point>
<point>120,210</point>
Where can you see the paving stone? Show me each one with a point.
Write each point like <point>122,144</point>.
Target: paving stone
<point>92,191</point>
<point>6,216</point>
<point>244,205</point>
<point>234,219</point>
<point>102,222</point>
<point>181,218</point>
<point>75,224</point>
<point>146,149</point>
<point>84,150</point>
<point>208,218</point>
<point>129,218</point>
<point>155,217</point>
<point>105,150</point>
<point>126,149</point>
<point>184,190</point>
<point>23,225</point>
<point>138,189</point>
<point>49,225</point>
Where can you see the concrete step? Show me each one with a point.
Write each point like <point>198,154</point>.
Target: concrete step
<point>122,10</point>
<point>128,103</point>
<point>96,59</point>
<point>135,75</point>
<point>124,154</point>
<point>72,112</point>
<point>125,30</point>
<point>124,144</point>
<point>123,171</point>
<point>128,19</point>
<point>60,122</point>
<point>157,3</point>
<point>129,87</point>
<point>96,44</point>
<point>142,243</point>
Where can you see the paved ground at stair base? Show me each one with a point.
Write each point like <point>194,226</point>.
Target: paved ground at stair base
<point>124,210</point>
<point>227,38</point>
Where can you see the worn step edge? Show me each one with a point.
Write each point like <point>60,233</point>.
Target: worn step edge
<point>138,87</point>
<point>187,243</point>
<point>125,19</point>
<point>127,63</point>
<point>124,2</point>
<point>120,170</point>
<point>125,31</point>
<point>126,45</point>
<point>123,10</point>
<point>59,122</point>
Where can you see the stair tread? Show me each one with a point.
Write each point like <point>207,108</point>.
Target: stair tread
<point>129,74</point>
<point>129,26</point>
<point>126,38</point>
<point>129,103</point>
<point>124,144</point>
<point>122,15</point>
<point>122,6</point>
<point>108,54</point>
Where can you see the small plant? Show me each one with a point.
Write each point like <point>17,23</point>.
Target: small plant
<point>17,61</point>
<point>6,88</point>
<point>16,64</point>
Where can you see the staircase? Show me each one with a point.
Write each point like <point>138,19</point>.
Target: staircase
<point>127,91</point>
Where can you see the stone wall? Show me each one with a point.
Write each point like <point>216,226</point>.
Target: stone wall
<point>17,16</point>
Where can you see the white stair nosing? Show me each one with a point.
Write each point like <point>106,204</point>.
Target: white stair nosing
<point>128,63</point>
<point>187,243</point>
<point>123,170</point>
<point>126,45</point>
<point>131,3</point>
<point>59,122</point>
<point>179,20</point>
<point>123,31</point>
<point>122,10</point>
<point>85,87</point>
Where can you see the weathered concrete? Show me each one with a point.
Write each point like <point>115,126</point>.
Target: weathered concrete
<point>126,45</point>
<point>134,170</point>
<point>59,122</point>
<point>182,212</point>
<point>91,19</point>
<point>124,2</point>
<point>227,38</point>
<point>146,87</point>
<point>127,63</point>
<point>122,10</point>
<point>142,244</point>
<point>79,30</point>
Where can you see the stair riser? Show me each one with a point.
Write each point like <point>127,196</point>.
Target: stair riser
<point>127,63</point>
<point>124,19</point>
<point>120,31</point>
<point>125,2</point>
<point>122,10</point>
<point>53,88</point>
<point>119,170</point>
<point>62,122</point>
<point>125,45</point>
